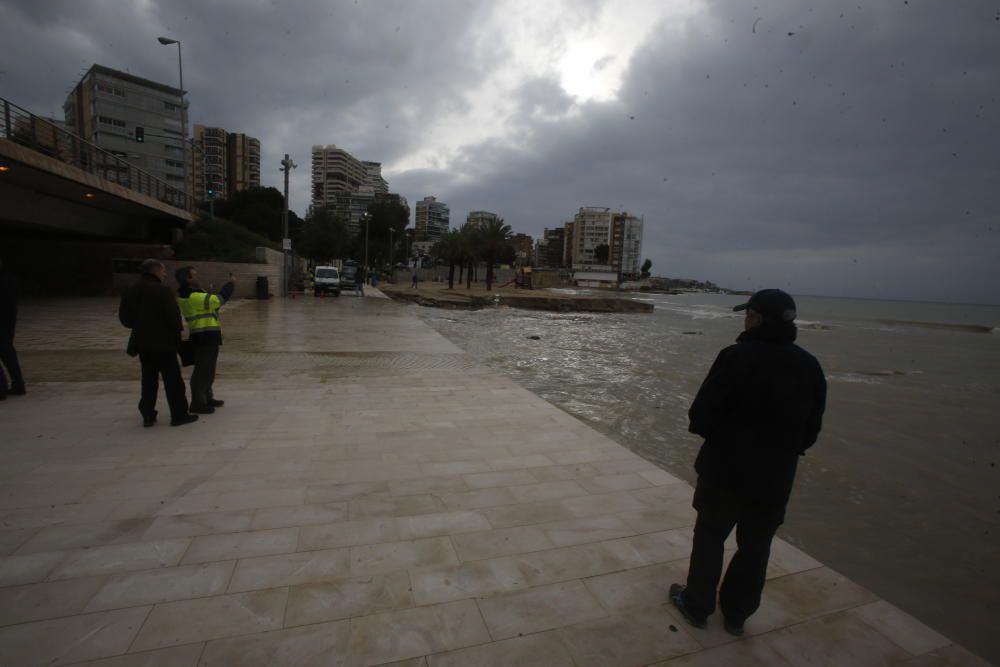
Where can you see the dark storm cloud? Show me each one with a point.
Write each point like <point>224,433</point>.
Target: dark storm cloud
<point>856,155</point>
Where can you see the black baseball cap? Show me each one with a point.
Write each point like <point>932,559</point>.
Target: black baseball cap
<point>772,304</point>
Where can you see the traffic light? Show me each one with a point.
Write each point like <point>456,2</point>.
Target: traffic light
<point>211,191</point>
<point>140,135</point>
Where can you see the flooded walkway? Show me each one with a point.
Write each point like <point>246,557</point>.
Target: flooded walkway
<point>368,495</point>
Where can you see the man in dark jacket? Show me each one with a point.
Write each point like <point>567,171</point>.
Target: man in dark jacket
<point>150,310</point>
<point>201,310</point>
<point>9,293</point>
<point>759,410</point>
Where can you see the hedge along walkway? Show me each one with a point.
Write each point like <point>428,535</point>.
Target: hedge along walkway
<point>368,495</point>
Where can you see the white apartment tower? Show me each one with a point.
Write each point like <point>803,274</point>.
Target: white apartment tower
<point>335,172</point>
<point>596,226</point>
<point>432,219</point>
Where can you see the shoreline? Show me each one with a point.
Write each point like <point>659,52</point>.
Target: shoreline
<point>478,298</point>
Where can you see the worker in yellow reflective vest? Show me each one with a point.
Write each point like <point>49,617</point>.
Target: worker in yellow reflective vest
<point>200,310</point>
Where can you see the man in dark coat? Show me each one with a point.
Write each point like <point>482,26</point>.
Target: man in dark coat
<point>150,310</point>
<point>9,293</point>
<point>759,410</point>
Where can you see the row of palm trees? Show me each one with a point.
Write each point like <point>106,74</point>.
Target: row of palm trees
<point>467,246</point>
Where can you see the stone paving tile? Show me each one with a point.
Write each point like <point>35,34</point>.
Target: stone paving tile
<point>543,649</point>
<point>10,540</point>
<point>349,533</point>
<point>949,656</point>
<point>400,635</point>
<point>194,525</point>
<point>542,491</point>
<point>504,478</point>
<point>750,652</point>
<point>329,493</point>
<point>641,587</point>
<point>322,644</point>
<point>122,558</point>
<point>225,502</point>
<point>241,545</point>
<point>61,538</point>
<point>902,629</point>
<point>840,639</point>
<point>526,461</point>
<point>381,558</point>
<point>539,608</point>
<point>133,589</point>
<point>443,523</point>
<point>29,568</point>
<point>478,499</point>
<point>73,639</point>
<point>288,569</point>
<point>635,638</point>
<point>298,515</point>
<point>438,485</point>
<point>35,602</point>
<point>501,542</point>
<point>619,482</point>
<point>346,598</point>
<point>581,531</point>
<point>468,580</point>
<point>203,619</point>
<point>384,506</point>
<point>175,656</point>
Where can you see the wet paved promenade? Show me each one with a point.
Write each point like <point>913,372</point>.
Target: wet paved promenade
<point>368,495</point>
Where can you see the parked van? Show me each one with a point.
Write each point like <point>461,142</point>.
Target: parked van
<point>327,280</point>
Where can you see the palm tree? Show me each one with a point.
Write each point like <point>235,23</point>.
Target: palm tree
<point>494,235</point>
<point>449,248</point>
<point>470,243</point>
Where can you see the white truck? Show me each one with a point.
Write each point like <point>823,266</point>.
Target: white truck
<point>327,279</point>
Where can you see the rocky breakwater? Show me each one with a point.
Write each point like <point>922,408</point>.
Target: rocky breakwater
<point>478,298</point>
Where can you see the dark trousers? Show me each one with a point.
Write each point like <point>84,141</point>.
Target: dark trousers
<point>719,510</point>
<point>8,359</point>
<point>206,354</point>
<point>155,364</point>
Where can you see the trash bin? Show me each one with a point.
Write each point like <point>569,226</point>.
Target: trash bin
<point>263,292</point>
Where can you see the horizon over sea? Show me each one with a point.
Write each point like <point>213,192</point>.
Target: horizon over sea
<point>900,491</point>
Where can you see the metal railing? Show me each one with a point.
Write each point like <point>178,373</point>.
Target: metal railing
<point>26,129</point>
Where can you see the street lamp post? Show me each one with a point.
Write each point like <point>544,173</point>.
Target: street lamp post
<point>367,217</point>
<point>392,267</point>
<point>286,242</point>
<point>166,41</point>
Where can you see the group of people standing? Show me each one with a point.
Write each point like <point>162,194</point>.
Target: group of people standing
<point>156,317</point>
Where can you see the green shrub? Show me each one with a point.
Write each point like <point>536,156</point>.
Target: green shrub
<point>219,240</point>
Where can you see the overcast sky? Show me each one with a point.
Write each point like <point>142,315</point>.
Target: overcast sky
<point>825,147</point>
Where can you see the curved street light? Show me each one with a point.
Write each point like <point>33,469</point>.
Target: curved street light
<point>166,41</point>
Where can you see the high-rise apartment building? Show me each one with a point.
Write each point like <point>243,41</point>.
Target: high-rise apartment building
<point>107,106</point>
<point>626,244</point>
<point>224,163</point>
<point>432,219</point>
<point>348,186</point>
<point>374,178</point>
<point>210,161</point>
<point>524,249</point>
<point>243,162</point>
<point>597,230</point>
<point>478,218</point>
<point>335,172</point>
<point>549,249</point>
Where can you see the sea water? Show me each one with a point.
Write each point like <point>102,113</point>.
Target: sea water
<point>902,491</point>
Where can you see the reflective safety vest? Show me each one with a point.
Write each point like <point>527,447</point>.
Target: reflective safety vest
<point>201,311</point>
